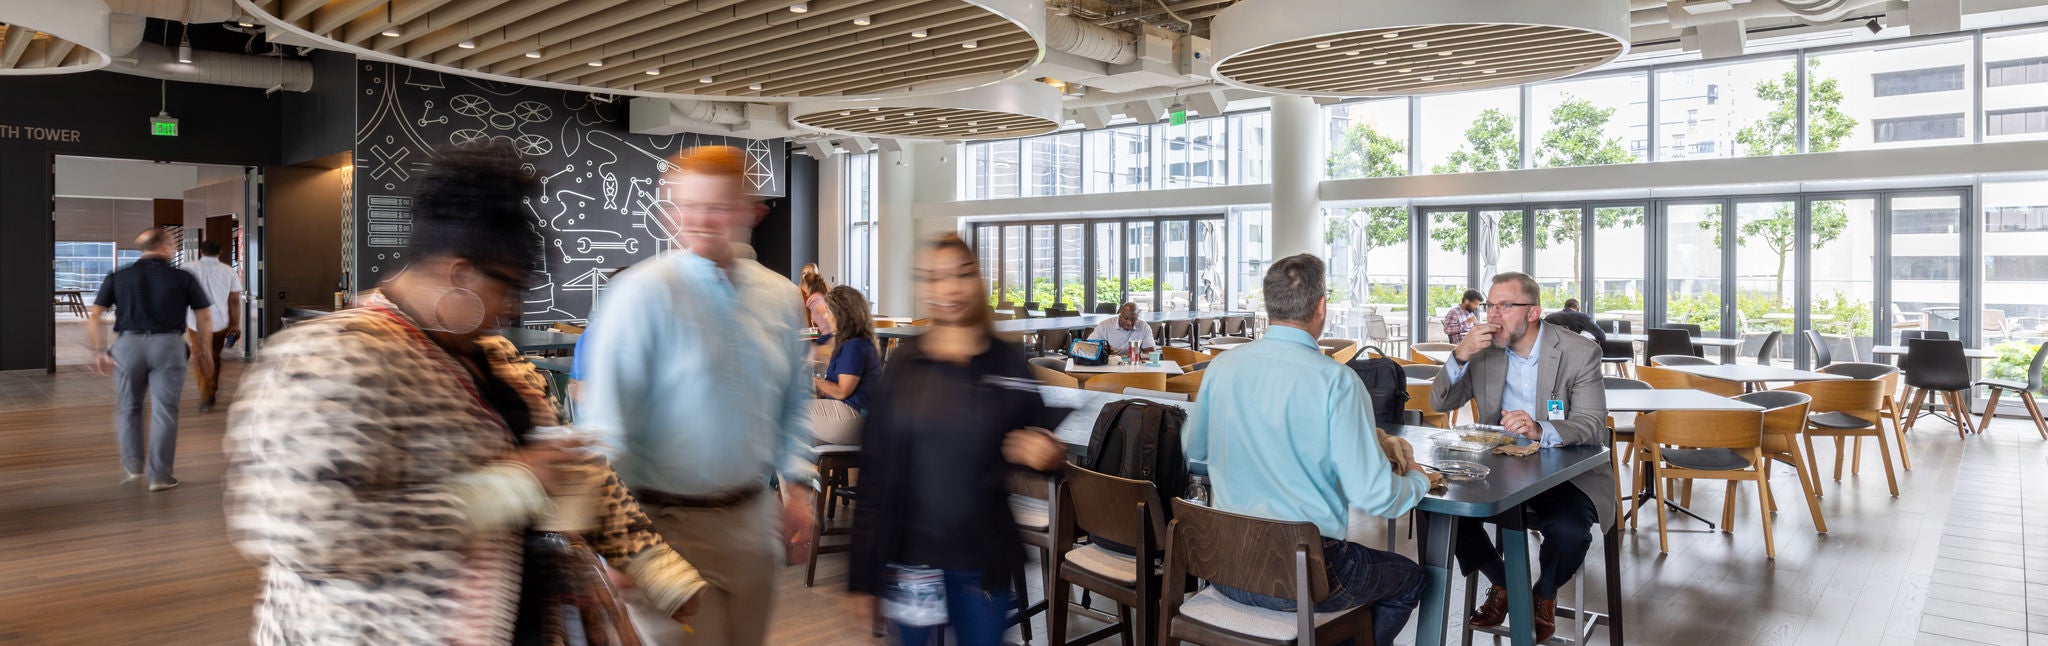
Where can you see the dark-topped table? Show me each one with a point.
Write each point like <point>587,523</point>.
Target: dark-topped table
<point>1497,499</point>
<point>538,340</point>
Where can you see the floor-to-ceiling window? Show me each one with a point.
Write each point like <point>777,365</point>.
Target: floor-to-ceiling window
<point>1194,153</point>
<point>1499,243</point>
<point>1053,165</point>
<point>1558,243</point>
<point>1926,262</point>
<point>1590,122</point>
<point>1471,132</point>
<point>1043,282</point>
<point>2015,275</point>
<point>1889,97</point>
<point>1843,275</point>
<point>1445,257</point>
<point>1210,258</point>
<point>1119,159</point>
<point>988,247</point>
<point>1161,262</point>
<point>1254,250</point>
<point>2016,85</point>
<point>1744,109</point>
<point>1620,278</point>
<point>1692,264</point>
<point>859,203</point>
<point>1141,264</point>
<point>1765,276</point>
<point>1013,266</point>
<point>1073,265</point>
<point>1108,262</point>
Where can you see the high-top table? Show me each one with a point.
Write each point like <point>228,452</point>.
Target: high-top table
<point>1498,499</point>
<point>1728,347</point>
<point>1650,401</point>
<point>1754,374</point>
<point>1900,351</point>
<point>538,340</point>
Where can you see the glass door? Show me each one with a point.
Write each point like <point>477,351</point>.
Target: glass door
<point>1141,264</point>
<point>1927,264</point>
<point>1767,237</point>
<point>1620,278</point>
<point>1692,265</point>
<point>1073,245</point>
<point>1108,262</point>
<point>1446,267</point>
<point>1559,252</point>
<point>1841,277</point>
<point>1041,294</point>
<point>1175,290</point>
<point>1211,261</point>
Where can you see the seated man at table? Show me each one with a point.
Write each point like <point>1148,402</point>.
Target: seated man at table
<point>1288,434</point>
<point>1119,332</point>
<point>1541,382</point>
<point>1461,317</point>
<point>1578,322</point>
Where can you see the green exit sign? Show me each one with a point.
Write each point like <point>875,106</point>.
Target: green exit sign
<point>1178,117</point>
<point>163,126</point>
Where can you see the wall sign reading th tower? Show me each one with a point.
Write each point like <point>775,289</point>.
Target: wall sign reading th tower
<point>601,187</point>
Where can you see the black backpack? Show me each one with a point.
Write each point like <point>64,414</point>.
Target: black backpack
<point>1139,440</point>
<point>1385,381</point>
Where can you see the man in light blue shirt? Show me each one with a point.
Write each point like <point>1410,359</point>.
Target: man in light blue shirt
<point>1288,434</point>
<point>700,387</point>
<point>1542,382</point>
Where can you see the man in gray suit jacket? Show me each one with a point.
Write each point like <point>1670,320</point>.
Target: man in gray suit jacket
<point>1542,382</point>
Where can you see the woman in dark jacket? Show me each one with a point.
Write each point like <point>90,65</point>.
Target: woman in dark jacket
<point>956,412</point>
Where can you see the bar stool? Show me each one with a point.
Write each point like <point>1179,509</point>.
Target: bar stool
<point>836,463</point>
<point>1584,622</point>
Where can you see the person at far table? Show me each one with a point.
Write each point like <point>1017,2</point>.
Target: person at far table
<point>815,310</point>
<point>1541,382</point>
<point>147,358</point>
<point>1288,434</point>
<point>1578,322</point>
<point>1119,332</point>
<point>1460,319</point>
<point>843,393</point>
<point>223,287</point>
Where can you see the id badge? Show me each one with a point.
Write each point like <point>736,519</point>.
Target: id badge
<point>1555,410</point>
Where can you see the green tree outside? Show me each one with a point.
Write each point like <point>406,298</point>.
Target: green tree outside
<point>1778,134</point>
<point>1364,152</point>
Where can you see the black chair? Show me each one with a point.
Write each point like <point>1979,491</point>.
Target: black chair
<point>1769,348</point>
<point>1679,360</point>
<point>1054,342</point>
<point>1667,341</point>
<point>1106,308</point>
<point>1422,371</point>
<point>1610,326</point>
<point>1822,356</point>
<point>1938,365</point>
<point>2024,388</point>
<point>1909,335</point>
<point>1033,305</point>
<point>1693,330</point>
<point>1179,331</point>
<point>1618,354</point>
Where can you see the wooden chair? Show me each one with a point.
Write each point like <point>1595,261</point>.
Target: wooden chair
<point>567,328</point>
<point>1107,508</point>
<point>1033,500</point>
<point>1331,346</point>
<point>2025,389</point>
<point>1182,331</point>
<point>1345,355</point>
<point>1666,379</point>
<point>1888,406</point>
<point>1054,342</point>
<point>923,322</point>
<point>1184,356</point>
<point>1415,352</point>
<point>1785,414</point>
<point>1189,384</point>
<point>1052,377</point>
<point>1713,445</point>
<point>1418,400</point>
<point>1116,382</point>
<point>1845,409</point>
<point>882,323</point>
<point>1269,557</point>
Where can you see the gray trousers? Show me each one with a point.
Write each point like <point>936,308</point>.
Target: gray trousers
<point>151,366</point>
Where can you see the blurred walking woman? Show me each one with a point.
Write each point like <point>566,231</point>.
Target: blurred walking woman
<point>953,417</point>
<point>381,472</point>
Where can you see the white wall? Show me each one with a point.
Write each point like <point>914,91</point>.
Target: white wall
<point>131,179</point>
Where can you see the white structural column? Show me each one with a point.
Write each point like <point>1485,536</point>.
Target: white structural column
<point>1297,218</point>
<point>895,235</point>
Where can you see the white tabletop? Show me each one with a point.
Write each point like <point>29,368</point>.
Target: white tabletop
<point>1709,341</point>
<point>1167,367</point>
<point>1751,373</point>
<point>1895,350</point>
<point>1439,356</point>
<point>1645,401</point>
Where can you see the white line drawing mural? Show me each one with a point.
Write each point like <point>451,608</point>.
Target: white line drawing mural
<point>602,203</point>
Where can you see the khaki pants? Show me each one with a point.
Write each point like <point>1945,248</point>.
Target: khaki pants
<point>207,375</point>
<point>739,551</point>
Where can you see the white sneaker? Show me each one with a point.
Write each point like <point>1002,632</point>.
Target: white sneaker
<point>130,477</point>
<point>160,486</point>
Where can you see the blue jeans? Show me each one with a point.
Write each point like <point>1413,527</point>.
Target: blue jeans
<point>977,616</point>
<point>1359,575</point>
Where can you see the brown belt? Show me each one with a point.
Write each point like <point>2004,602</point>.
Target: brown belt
<point>732,498</point>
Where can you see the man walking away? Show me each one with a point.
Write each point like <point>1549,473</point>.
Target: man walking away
<point>147,357</point>
<point>224,288</point>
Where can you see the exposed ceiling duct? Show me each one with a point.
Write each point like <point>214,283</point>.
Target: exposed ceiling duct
<point>1073,36</point>
<point>219,68</point>
<point>41,37</point>
<point>653,116</point>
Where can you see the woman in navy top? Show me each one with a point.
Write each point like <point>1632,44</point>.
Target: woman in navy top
<point>853,371</point>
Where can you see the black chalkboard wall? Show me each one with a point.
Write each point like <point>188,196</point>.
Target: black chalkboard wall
<point>601,185</point>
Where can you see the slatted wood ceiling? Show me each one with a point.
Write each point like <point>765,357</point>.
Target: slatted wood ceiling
<point>928,123</point>
<point>730,48</point>
<point>24,48</point>
<point>1416,60</point>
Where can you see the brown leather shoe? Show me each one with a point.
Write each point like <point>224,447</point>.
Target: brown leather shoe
<point>1494,611</point>
<point>1546,619</point>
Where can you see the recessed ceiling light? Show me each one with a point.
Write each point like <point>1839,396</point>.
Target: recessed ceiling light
<point>654,71</point>
<point>942,118</point>
<point>973,130</point>
<point>706,80</point>
<point>1379,62</point>
<point>873,109</point>
<point>1420,45</point>
<point>801,7</point>
<point>1471,62</point>
<point>863,21</point>
<point>1406,70</point>
<point>597,63</point>
<point>1323,45</point>
<point>467,44</point>
<point>973,123</point>
<point>845,113</point>
<point>533,54</point>
<point>1429,78</point>
<point>1487,71</point>
<point>913,122</point>
<point>917,33</point>
<point>882,118</point>
<point>1444,53</point>
<point>391,32</point>
<point>753,86</point>
<point>244,23</point>
<point>969,45</point>
<point>1391,34</point>
<point>1353,53</point>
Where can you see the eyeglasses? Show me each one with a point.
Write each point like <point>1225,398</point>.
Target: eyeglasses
<point>1497,307</point>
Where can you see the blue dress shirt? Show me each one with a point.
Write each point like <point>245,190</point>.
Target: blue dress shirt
<point>699,383</point>
<point>1288,434</point>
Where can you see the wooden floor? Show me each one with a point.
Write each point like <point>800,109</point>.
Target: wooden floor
<point>1961,556</point>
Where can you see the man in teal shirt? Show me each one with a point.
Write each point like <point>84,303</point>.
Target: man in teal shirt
<point>1288,434</point>
<point>700,387</point>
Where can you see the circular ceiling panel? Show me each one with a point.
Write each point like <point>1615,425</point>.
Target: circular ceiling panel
<point>1395,48</point>
<point>1008,110</point>
<point>755,50</point>
<point>53,37</point>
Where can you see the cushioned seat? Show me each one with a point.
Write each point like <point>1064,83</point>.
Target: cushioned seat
<point>1122,568</point>
<point>1031,513</point>
<point>1705,459</point>
<point>1212,608</point>
<point>835,449</point>
<point>1838,420</point>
